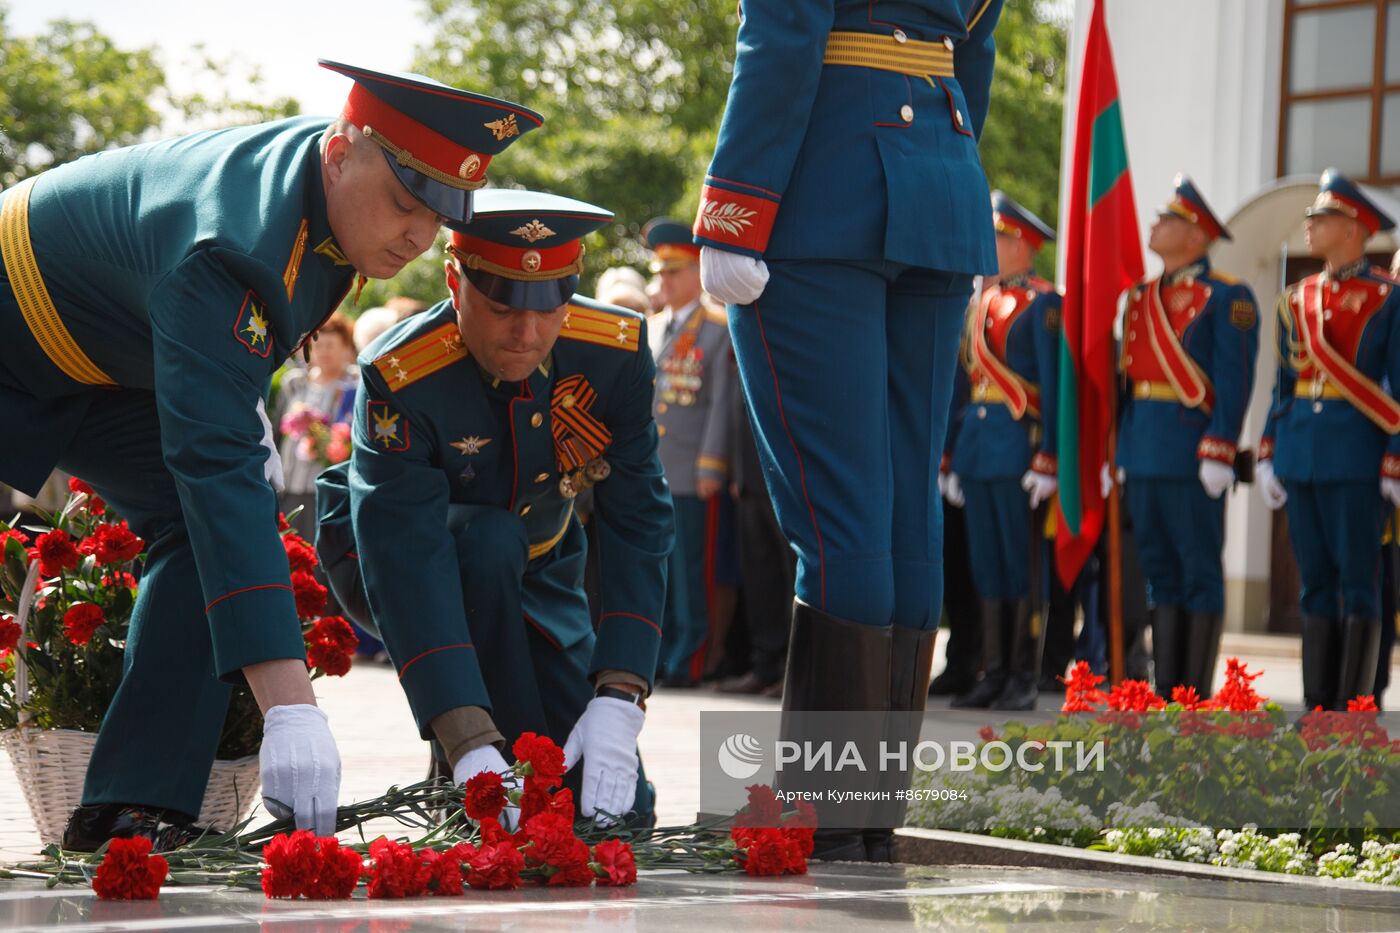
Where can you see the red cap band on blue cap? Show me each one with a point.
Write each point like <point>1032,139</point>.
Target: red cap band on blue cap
<point>1191,212</point>
<point>449,162</point>
<point>1010,226</point>
<point>1334,202</point>
<point>524,264</point>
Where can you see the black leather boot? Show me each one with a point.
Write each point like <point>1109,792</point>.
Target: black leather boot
<point>91,825</point>
<point>834,665</point>
<point>1321,651</point>
<point>1023,679</point>
<point>994,644</point>
<point>911,662</point>
<point>1168,648</point>
<point>1360,644</point>
<point>1203,630</point>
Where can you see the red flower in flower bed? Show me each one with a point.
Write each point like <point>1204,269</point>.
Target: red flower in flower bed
<point>1237,695</point>
<point>330,646</point>
<point>396,870</point>
<point>9,633</point>
<point>310,595</point>
<point>485,796</point>
<point>1082,693</point>
<point>81,621</point>
<point>614,864</point>
<point>129,872</point>
<point>496,866</point>
<point>56,552</point>
<point>543,758</point>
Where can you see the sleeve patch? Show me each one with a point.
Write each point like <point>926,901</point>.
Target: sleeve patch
<point>1242,313</point>
<point>387,429</point>
<point>251,328</point>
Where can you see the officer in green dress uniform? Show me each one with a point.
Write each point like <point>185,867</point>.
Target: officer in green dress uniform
<point>149,294</point>
<point>478,422</point>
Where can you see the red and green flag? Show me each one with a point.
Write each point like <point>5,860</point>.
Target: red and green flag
<point>1103,256</point>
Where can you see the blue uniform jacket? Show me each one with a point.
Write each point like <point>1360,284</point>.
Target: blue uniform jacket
<point>833,161</point>
<point>1215,318</point>
<point>432,429</point>
<point>191,267</point>
<point>991,443</point>
<point>1327,438</point>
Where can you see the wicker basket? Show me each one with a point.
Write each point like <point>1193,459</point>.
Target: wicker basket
<point>51,764</point>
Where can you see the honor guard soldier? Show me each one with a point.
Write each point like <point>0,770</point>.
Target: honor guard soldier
<point>479,422</point>
<point>1330,452</point>
<point>1190,338</point>
<point>690,341</point>
<point>1004,450</point>
<point>151,293</point>
<point>843,220</point>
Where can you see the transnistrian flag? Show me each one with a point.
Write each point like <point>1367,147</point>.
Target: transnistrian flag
<point>1103,256</point>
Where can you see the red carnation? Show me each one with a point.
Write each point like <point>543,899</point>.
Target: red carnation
<point>763,808</point>
<point>340,872</point>
<point>310,595</point>
<point>572,869</point>
<point>613,863</point>
<point>765,851</point>
<point>485,796</point>
<point>95,505</point>
<point>129,872</point>
<point>81,621</point>
<point>117,544</point>
<point>9,633</point>
<point>15,533</point>
<point>496,866</point>
<point>492,832</point>
<point>56,552</point>
<point>562,803</point>
<point>395,870</point>
<point>445,869</point>
<point>300,555</point>
<point>330,645</point>
<point>549,839</point>
<point>543,759</point>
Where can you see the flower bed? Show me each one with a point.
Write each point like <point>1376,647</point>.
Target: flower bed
<point>1180,767</point>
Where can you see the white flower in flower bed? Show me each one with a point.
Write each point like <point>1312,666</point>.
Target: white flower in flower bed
<point>1248,849</point>
<point>1380,863</point>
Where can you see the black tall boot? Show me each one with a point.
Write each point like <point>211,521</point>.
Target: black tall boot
<point>1168,648</point>
<point>994,644</point>
<point>1321,651</point>
<point>911,662</point>
<point>1360,644</point>
<point>1027,641</point>
<point>1203,630</point>
<point>834,665</point>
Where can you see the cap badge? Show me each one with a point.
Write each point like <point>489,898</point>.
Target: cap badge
<point>532,232</point>
<point>503,128</point>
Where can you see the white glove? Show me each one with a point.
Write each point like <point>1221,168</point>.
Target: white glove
<point>606,737</point>
<point>300,767</point>
<point>1041,486</point>
<point>272,469</point>
<point>952,490</point>
<point>943,484</point>
<point>1390,489</point>
<point>1216,477</point>
<point>1105,481</point>
<point>1269,486</point>
<point>487,758</point>
<point>730,277</point>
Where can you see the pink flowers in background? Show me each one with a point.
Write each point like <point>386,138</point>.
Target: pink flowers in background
<point>317,438</point>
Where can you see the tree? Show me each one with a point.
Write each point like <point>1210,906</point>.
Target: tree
<point>71,91</point>
<point>632,92</point>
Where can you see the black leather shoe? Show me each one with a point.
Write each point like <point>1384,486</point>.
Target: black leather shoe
<point>1019,693</point>
<point>750,683</point>
<point>91,825</point>
<point>952,683</point>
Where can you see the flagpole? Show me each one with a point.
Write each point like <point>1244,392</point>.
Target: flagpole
<point>1116,666</point>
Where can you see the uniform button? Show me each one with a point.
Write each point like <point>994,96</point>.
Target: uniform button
<point>536,420</point>
<point>981,411</point>
<point>525,509</point>
<point>661,408</point>
<point>948,43</point>
<point>900,36</point>
<point>958,117</point>
<point>1132,335</point>
<point>1317,408</point>
<point>1128,360</point>
<point>661,430</point>
<point>906,113</point>
<point>542,477</point>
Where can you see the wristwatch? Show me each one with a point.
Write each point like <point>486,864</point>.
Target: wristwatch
<point>616,693</point>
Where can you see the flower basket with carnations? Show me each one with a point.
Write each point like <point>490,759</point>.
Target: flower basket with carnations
<point>67,590</point>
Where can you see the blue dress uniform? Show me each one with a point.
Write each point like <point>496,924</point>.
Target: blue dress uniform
<point>692,408</point>
<point>1333,431</point>
<point>847,161</point>
<point>1190,340</point>
<point>1011,354</point>
<point>150,294</point>
<point>456,509</point>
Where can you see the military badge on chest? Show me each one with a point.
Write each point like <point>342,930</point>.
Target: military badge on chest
<point>469,446</point>
<point>579,437</point>
<point>682,372</point>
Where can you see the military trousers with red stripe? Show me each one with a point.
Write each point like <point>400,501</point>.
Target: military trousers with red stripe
<point>847,368</point>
